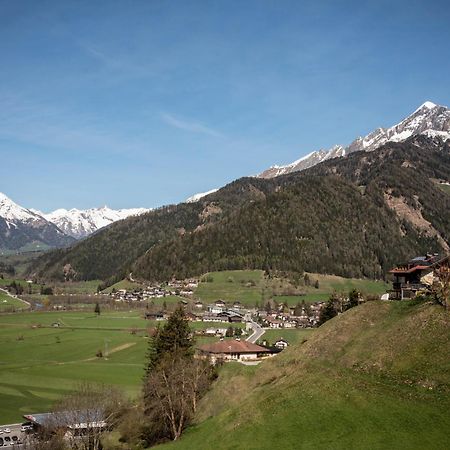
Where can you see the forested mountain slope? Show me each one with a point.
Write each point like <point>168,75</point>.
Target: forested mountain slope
<point>111,252</point>
<point>353,217</point>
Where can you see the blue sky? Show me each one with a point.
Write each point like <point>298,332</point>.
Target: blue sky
<point>143,103</point>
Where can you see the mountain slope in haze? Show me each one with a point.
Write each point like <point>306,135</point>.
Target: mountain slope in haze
<point>375,377</point>
<point>352,217</point>
<point>81,223</point>
<point>21,228</point>
<point>429,119</point>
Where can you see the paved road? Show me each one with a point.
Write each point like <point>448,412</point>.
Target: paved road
<point>257,332</point>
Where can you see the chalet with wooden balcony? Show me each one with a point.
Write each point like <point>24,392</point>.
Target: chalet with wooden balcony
<point>415,275</point>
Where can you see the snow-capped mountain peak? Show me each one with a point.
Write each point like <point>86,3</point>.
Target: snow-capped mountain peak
<point>26,229</point>
<point>12,212</point>
<point>427,105</point>
<point>80,223</point>
<point>429,119</point>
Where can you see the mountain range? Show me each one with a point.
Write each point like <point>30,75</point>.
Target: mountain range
<point>386,193</point>
<point>24,229</point>
<point>81,223</point>
<point>429,119</point>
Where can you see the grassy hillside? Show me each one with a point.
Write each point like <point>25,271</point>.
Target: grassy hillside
<point>251,287</point>
<point>376,377</point>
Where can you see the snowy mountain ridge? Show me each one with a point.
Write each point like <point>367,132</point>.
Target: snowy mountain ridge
<point>81,223</point>
<point>13,213</point>
<point>25,229</point>
<point>73,223</point>
<point>429,119</point>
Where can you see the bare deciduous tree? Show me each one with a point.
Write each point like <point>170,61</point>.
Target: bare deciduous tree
<point>172,393</point>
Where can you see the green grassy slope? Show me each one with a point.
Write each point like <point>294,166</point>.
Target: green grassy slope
<point>10,304</point>
<point>250,287</point>
<point>376,377</point>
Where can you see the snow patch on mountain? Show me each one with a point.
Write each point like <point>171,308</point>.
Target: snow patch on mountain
<point>196,197</point>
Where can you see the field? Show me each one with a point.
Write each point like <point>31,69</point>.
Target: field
<point>40,362</point>
<point>8,303</point>
<point>247,286</point>
<point>123,284</point>
<point>250,287</point>
<point>293,336</point>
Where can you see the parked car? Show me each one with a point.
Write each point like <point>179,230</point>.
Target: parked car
<point>26,427</point>
<point>7,430</point>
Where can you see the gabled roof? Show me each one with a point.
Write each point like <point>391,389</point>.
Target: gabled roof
<point>420,263</point>
<point>233,346</point>
<point>408,269</point>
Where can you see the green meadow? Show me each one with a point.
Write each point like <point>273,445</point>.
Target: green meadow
<point>40,362</point>
<point>292,335</point>
<point>8,303</point>
<point>251,287</point>
<point>246,286</point>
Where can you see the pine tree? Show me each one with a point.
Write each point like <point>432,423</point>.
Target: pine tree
<point>173,338</point>
<point>328,311</point>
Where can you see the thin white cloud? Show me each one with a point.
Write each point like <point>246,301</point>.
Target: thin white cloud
<point>191,126</point>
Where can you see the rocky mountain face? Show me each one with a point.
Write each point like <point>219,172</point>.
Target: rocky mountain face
<point>24,229</point>
<point>81,223</point>
<point>429,119</point>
